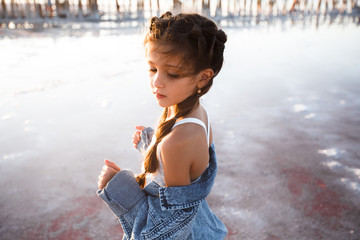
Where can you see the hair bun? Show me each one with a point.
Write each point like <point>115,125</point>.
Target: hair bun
<point>153,21</point>
<point>166,15</point>
<point>221,36</point>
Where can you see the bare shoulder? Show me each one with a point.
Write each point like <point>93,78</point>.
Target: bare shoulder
<point>179,149</point>
<point>184,140</point>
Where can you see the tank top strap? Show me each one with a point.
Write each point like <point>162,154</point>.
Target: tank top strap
<point>199,122</point>
<point>208,128</point>
<point>190,120</point>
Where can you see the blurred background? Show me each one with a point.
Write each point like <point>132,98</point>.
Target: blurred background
<point>285,112</point>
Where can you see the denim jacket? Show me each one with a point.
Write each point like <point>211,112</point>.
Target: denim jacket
<point>157,212</point>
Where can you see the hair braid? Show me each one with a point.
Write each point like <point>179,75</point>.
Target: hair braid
<point>151,162</point>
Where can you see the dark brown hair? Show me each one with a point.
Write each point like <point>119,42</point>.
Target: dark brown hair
<point>200,44</point>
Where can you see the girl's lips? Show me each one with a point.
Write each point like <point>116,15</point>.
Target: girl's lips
<point>158,95</point>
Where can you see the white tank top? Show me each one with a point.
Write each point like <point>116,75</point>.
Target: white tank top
<point>158,176</point>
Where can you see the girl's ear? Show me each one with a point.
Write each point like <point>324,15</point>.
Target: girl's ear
<point>204,77</point>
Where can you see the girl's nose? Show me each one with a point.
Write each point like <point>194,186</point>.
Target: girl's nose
<point>158,81</point>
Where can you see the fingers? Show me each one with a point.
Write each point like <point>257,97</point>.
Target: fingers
<point>100,182</point>
<point>107,174</point>
<point>136,138</point>
<point>112,165</point>
<point>140,128</point>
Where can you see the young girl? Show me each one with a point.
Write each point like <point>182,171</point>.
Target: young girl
<point>167,201</point>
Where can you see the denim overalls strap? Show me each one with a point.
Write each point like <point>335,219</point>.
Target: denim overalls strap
<point>172,198</point>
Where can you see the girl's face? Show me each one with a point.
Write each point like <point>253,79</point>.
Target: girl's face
<point>169,81</point>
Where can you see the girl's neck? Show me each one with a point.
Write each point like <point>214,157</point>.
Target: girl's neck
<point>171,112</point>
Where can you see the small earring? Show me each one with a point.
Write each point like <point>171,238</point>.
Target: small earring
<point>199,91</point>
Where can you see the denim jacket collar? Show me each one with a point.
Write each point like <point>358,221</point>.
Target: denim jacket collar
<point>186,196</point>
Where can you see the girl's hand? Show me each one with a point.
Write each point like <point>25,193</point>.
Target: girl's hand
<point>109,170</point>
<point>136,136</point>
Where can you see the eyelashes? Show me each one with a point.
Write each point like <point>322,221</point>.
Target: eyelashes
<point>171,75</point>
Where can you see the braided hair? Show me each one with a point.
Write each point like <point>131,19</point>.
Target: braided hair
<point>200,44</point>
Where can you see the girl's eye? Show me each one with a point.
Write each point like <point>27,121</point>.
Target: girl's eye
<point>173,75</point>
<point>153,70</point>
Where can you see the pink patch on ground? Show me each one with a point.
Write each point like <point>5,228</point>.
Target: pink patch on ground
<point>297,179</point>
<point>73,223</point>
<point>311,195</point>
<point>321,184</point>
<point>272,237</point>
<point>232,234</point>
<point>325,203</point>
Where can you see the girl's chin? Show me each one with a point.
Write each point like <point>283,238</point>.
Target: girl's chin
<point>164,104</point>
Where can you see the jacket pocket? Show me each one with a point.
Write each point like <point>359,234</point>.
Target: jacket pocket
<point>168,224</point>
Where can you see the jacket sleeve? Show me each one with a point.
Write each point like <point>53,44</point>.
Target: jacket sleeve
<point>122,193</point>
<point>137,214</point>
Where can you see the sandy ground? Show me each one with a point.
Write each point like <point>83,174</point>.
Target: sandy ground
<point>285,113</point>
